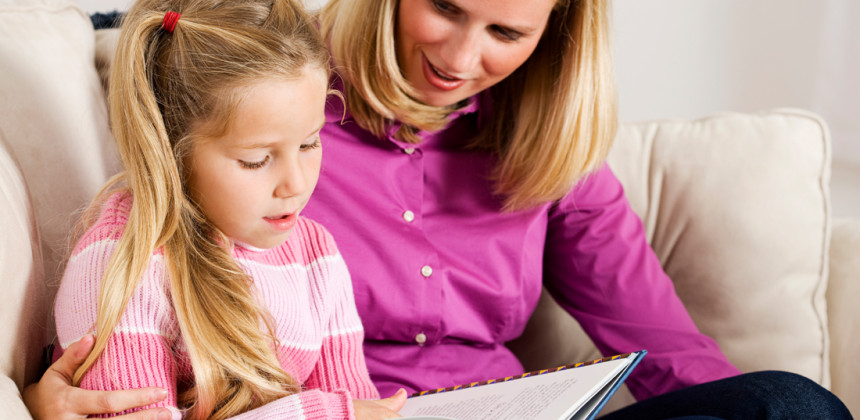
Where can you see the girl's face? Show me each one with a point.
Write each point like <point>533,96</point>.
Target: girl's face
<point>450,50</point>
<point>253,181</point>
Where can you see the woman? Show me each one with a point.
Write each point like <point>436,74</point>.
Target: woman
<point>466,171</point>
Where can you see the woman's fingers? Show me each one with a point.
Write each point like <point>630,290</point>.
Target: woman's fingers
<point>107,402</point>
<point>72,358</point>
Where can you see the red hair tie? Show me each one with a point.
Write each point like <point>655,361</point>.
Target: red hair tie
<point>169,22</point>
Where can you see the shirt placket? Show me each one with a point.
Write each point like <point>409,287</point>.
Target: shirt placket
<point>424,262</point>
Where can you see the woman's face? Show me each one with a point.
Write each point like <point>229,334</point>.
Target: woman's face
<point>450,50</point>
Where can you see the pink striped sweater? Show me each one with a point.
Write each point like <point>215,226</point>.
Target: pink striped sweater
<point>303,283</point>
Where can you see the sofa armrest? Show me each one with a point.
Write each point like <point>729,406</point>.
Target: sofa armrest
<point>11,404</point>
<point>843,298</point>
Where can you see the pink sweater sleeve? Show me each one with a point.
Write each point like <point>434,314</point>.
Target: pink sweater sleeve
<point>340,373</point>
<point>139,352</point>
<point>342,364</point>
<point>142,351</point>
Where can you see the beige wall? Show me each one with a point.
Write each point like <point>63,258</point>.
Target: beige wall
<point>681,58</point>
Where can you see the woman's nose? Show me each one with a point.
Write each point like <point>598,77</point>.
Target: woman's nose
<point>461,52</point>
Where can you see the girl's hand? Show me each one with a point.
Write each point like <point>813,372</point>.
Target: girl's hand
<point>386,408</point>
<point>54,397</point>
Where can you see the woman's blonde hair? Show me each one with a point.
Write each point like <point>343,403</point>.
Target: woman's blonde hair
<point>553,120</point>
<point>162,86</point>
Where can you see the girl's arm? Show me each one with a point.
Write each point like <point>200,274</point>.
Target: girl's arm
<point>54,397</point>
<point>601,269</point>
<point>342,364</point>
<point>340,375</point>
<point>139,352</point>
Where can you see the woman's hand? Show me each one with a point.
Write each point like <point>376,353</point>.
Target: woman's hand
<point>386,408</point>
<point>54,397</point>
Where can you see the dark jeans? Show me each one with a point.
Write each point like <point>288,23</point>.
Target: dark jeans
<point>759,395</point>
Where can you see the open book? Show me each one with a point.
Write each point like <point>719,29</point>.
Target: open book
<point>575,391</point>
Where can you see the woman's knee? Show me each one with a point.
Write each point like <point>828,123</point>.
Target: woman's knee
<point>789,394</point>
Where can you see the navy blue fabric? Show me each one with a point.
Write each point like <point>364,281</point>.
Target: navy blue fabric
<point>758,395</point>
<point>106,20</point>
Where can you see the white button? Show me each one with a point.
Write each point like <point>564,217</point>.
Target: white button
<point>408,216</point>
<point>426,271</point>
<point>421,339</point>
<point>409,150</point>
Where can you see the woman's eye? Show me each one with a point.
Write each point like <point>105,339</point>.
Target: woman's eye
<point>311,146</point>
<point>254,165</point>
<point>443,7</point>
<point>506,34</point>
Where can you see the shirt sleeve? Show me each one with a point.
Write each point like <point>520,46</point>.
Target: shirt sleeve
<point>601,269</point>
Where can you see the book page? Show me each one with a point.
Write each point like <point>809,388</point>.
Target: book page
<point>554,395</point>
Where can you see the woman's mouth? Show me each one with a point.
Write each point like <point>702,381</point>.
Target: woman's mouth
<point>443,76</point>
<point>439,78</point>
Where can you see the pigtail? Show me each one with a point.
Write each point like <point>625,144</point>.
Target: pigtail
<point>147,156</point>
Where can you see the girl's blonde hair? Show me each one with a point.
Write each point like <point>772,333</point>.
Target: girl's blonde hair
<point>162,87</point>
<point>553,120</point>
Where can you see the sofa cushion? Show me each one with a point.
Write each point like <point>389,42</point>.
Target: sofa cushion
<point>843,293</point>
<point>736,207</point>
<point>53,115</point>
<point>11,404</point>
<point>22,282</point>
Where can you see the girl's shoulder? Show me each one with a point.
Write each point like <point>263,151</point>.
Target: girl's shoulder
<point>110,223</point>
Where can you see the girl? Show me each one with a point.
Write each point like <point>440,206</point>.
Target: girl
<point>200,276</point>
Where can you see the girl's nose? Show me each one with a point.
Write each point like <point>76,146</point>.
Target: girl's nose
<point>291,180</point>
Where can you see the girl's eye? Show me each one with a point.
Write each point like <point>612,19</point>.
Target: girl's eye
<point>444,7</point>
<point>311,146</point>
<point>505,34</point>
<point>254,165</point>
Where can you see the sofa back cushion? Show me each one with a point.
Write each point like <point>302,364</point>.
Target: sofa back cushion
<point>22,281</point>
<point>736,207</point>
<point>54,118</point>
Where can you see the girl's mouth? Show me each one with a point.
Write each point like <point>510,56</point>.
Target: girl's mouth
<point>283,222</point>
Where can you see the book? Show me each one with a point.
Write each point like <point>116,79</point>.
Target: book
<point>578,391</point>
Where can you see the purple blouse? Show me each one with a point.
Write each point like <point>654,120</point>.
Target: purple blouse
<point>443,278</point>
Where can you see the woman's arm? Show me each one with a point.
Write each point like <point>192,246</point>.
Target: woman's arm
<point>54,397</point>
<point>601,269</point>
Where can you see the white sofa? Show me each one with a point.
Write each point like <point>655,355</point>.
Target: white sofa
<point>736,207</point>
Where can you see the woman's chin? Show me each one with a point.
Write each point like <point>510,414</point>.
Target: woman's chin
<point>441,99</point>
